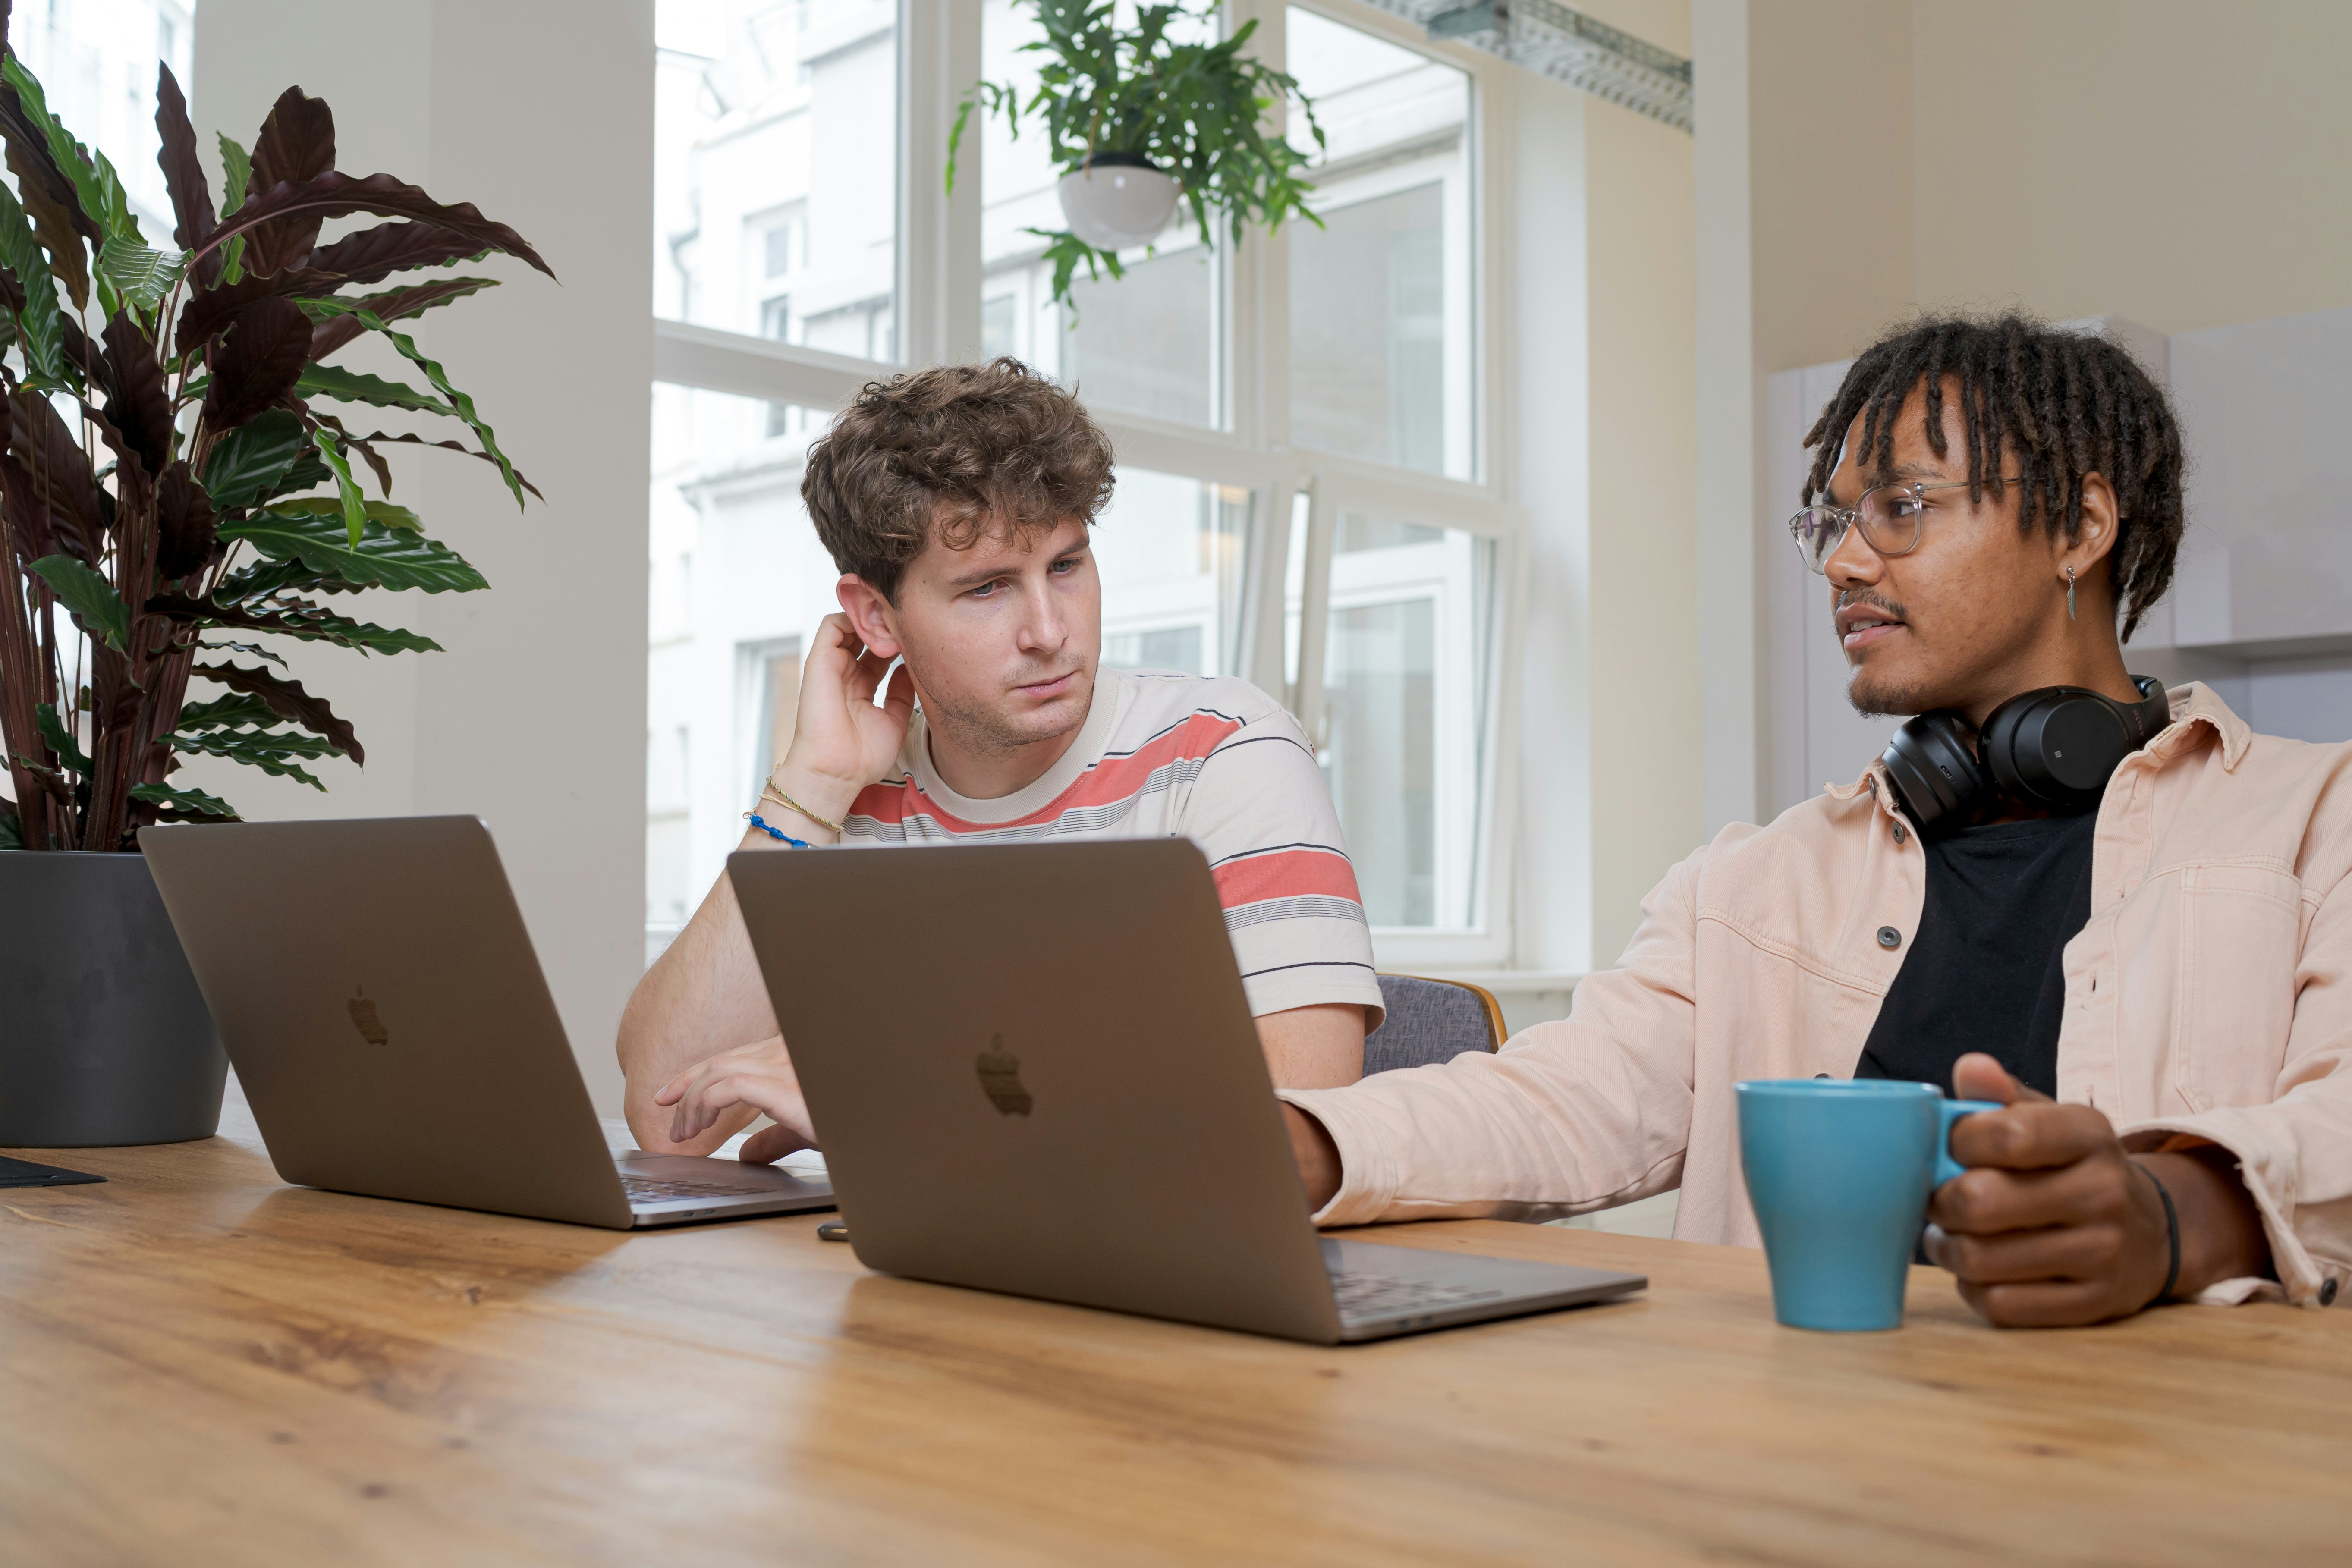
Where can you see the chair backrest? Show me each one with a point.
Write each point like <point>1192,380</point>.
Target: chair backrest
<point>1430,1021</point>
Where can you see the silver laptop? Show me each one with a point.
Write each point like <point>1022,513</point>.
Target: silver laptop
<point>1033,1071</point>
<point>381,1002</point>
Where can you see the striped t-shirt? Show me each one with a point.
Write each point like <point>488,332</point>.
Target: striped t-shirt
<point>1211,759</point>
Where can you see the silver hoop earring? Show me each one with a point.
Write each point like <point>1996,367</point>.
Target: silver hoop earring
<point>2070,592</point>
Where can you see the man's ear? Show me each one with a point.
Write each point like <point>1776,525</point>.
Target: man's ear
<point>872,617</point>
<point>2097,540</point>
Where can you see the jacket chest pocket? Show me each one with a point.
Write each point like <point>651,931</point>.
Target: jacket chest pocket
<point>2241,942</point>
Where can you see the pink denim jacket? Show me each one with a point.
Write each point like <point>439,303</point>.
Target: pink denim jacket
<point>2209,996</point>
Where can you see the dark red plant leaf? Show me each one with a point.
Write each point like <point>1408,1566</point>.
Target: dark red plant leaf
<point>372,254</point>
<point>29,158</point>
<point>186,529</point>
<point>288,701</point>
<point>209,312</point>
<point>407,439</point>
<point>27,513</point>
<point>59,474</point>
<point>53,227</point>
<point>297,144</point>
<point>138,406</point>
<point>257,363</point>
<point>183,174</point>
<point>336,195</point>
<point>328,335</point>
<point>351,442</point>
<point>79,349</point>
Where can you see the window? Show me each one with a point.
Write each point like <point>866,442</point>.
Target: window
<point>1148,344</point>
<point>1380,296</point>
<point>776,154</point>
<point>1341,546</point>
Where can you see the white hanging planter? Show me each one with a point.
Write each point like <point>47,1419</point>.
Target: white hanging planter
<point>1118,201</point>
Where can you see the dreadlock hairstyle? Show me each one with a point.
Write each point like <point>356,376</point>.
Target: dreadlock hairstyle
<point>2069,404</point>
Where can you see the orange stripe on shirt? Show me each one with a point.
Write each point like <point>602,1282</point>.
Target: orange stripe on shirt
<point>1287,874</point>
<point>1113,778</point>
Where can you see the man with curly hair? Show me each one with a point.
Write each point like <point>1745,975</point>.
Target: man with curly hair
<point>2150,968</point>
<point>957,503</point>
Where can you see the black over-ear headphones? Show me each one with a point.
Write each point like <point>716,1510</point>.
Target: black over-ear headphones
<point>2055,748</point>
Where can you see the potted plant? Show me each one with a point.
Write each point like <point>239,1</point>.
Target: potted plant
<point>181,484</point>
<point>1139,122</point>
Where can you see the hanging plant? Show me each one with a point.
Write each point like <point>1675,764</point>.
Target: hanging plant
<point>172,479</point>
<point>1138,122</point>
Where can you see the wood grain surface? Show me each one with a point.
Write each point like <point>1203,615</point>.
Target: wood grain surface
<point>199,1365</point>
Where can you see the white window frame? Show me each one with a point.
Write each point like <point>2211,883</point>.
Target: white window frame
<point>938,313</point>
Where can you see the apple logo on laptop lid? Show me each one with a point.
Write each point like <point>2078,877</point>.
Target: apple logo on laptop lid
<point>364,1018</point>
<point>1000,1078</point>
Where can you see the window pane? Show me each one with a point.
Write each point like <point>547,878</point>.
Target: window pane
<point>776,170</point>
<point>1149,343</point>
<point>1380,308</point>
<point>1406,683</point>
<point>97,65</point>
<point>737,582</point>
<point>1170,551</point>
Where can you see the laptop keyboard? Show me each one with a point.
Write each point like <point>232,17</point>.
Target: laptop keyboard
<point>645,1189</point>
<point>1383,1296</point>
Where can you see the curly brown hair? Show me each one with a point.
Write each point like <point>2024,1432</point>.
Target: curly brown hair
<point>955,452</point>
<point>2069,404</point>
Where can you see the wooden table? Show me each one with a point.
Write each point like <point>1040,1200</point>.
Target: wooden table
<point>200,1365</point>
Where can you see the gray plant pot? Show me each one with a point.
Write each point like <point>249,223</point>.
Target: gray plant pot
<point>104,1038</point>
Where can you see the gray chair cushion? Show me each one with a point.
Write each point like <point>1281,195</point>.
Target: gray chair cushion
<point>1429,1021</point>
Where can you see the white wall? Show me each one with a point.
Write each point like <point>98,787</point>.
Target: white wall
<point>533,718</point>
<point>2176,163</point>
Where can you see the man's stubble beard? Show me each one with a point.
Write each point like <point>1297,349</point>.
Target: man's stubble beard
<point>978,727</point>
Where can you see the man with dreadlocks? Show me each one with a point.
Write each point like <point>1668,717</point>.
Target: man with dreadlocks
<point>2143,957</point>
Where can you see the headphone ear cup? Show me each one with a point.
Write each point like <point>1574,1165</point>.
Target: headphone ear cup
<point>1932,764</point>
<point>2056,748</point>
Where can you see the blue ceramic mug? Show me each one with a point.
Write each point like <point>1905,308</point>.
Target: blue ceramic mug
<point>1839,1171</point>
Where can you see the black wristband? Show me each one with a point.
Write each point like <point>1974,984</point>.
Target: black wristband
<point>2171,1235</point>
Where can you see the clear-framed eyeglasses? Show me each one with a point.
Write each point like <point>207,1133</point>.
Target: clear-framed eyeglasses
<point>1891,517</point>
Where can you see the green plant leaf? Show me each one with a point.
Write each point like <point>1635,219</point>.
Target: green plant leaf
<point>96,185</point>
<point>224,712</point>
<point>40,331</point>
<point>252,459</point>
<point>382,557</point>
<point>381,512</point>
<point>12,830</point>
<point>140,277</point>
<point>357,386</point>
<point>289,701</point>
<point>60,740</point>
<point>254,649</point>
<point>265,749</point>
<point>463,404</point>
<point>185,805</point>
<point>293,619</point>
<point>236,173</point>
<point>347,489</point>
<point>90,597</point>
<point>392,305</point>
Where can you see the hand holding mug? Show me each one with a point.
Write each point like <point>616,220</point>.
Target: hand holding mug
<point>2052,1223</point>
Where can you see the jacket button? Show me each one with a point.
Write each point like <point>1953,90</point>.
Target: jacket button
<point>2327,1294</point>
<point>1901,833</point>
<point>1888,937</point>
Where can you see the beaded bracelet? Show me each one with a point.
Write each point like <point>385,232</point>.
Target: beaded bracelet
<point>777,833</point>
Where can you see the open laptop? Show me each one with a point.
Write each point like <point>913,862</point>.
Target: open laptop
<point>381,1002</point>
<point>1035,1070</point>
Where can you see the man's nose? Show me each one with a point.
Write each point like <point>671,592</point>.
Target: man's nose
<point>1043,626</point>
<point>1853,563</point>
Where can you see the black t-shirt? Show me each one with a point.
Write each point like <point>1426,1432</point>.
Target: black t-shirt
<point>1983,973</point>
